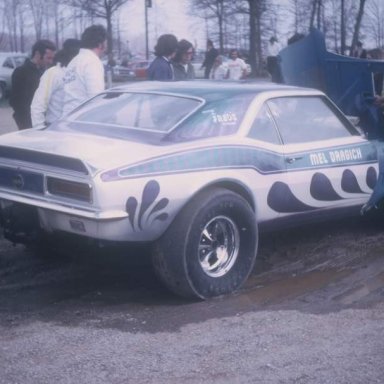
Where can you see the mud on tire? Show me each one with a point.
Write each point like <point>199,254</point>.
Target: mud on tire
<point>210,248</point>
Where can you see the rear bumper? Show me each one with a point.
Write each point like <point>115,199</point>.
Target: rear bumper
<point>65,208</point>
<point>112,226</point>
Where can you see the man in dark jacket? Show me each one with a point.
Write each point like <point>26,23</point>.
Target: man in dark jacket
<point>161,69</point>
<point>25,80</point>
<point>210,56</point>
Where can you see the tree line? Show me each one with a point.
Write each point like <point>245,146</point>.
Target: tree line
<point>244,24</point>
<point>343,22</point>
<point>54,20</point>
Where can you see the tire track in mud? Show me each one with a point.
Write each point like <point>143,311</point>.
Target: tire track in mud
<point>340,264</point>
<point>318,268</point>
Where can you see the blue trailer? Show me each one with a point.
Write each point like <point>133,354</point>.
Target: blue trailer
<point>350,82</point>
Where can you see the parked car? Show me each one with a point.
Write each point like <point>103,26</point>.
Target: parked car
<point>195,168</point>
<point>8,62</point>
<point>139,69</point>
<point>199,72</point>
<point>117,73</point>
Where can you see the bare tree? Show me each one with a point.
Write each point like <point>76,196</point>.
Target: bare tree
<point>104,9</point>
<point>356,31</point>
<point>375,22</point>
<point>301,13</point>
<point>59,18</point>
<point>342,28</point>
<point>316,9</point>
<point>2,25</point>
<point>11,9</point>
<point>37,8</point>
<point>216,10</point>
<point>256,10</point>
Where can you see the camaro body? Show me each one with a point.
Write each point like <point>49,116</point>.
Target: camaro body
<point>112,174</point>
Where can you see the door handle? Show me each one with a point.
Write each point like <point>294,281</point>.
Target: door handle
<point>291,160</point>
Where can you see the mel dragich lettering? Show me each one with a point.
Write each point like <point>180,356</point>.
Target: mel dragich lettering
<point>339,156</point>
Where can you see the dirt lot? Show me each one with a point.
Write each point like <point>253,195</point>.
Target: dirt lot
<point>312,312</point>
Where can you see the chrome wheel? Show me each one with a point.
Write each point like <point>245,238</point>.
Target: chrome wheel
<point>219,246</point>
<point>210,248</point>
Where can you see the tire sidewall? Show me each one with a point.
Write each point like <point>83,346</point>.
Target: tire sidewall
<point>234,207</point>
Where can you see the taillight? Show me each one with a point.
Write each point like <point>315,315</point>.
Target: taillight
<point>69,189</point>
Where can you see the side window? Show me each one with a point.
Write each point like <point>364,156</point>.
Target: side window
<point>8,63</point>
<point>18,60</point>
<point>263,127</point>
<point>217,118</point>
<point>304,119</point>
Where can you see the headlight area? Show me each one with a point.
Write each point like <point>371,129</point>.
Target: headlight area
<point>69,189</point>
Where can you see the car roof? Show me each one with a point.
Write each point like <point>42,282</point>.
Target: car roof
<point>5,55</point>
<point>211,89</point>
<point>12,54</point>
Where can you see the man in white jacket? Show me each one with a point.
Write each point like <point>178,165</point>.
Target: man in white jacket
<point>47,102</point>
<point>84,76</point>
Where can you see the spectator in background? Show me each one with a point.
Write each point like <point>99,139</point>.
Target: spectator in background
<point>47,103</point>
<point>182,66</point>
<point>378,77</point>
<point>25,80</point>
<point>161,67</point>
<point>210,56</point>
<point>219,70</point>
<point>272,64</point>
<point>84,75</point>
<point>237,68</point>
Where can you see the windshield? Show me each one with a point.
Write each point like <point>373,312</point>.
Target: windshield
<point>156,113</point>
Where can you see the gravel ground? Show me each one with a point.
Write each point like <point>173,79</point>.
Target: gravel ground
<point>312,312</point>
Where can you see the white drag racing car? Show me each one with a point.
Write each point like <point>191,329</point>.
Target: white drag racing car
<point>193,167</point>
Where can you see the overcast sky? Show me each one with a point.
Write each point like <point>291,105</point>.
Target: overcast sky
<point>165,16</point>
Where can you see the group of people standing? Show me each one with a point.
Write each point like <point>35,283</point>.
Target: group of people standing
<point>50,84</point>
<point>173,62</point>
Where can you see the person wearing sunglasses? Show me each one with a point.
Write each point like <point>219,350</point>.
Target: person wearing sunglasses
<point>182,66</point>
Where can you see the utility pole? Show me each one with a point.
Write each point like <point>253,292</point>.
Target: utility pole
<point>148,4</point>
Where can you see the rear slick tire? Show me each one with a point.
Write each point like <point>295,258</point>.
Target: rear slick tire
<point>210,248</point>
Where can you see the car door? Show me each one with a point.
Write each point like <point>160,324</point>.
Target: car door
<point>270,162</point>
<point>329,164</point>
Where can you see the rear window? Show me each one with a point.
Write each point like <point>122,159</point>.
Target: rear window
<point>138,111</point>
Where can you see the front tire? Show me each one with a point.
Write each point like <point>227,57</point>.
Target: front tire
<point>210,248</point>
